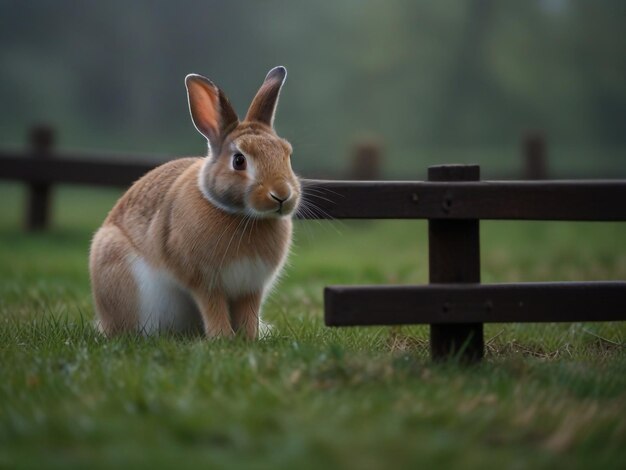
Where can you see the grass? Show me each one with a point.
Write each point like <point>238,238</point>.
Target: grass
<point>307,396</point>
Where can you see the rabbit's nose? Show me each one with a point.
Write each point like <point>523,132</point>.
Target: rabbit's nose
<point>278,199</point>
<point>281,193</point>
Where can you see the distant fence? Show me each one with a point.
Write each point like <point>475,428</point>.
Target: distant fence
<point>453,200</point>
<point>41,167</point>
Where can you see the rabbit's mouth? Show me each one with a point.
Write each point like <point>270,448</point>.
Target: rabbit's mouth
<point>279,201</point>
<point>276,200</point>
<point>283,210</point>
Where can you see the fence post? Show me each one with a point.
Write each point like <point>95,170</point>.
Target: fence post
<point>41,141</point>
<point>534,152</point>
<point>454,257</point>
<point>366,160</point>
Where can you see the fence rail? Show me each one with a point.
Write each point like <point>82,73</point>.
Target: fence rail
<point>507,200</point>
<point>597,200</point>
<point>96,170</point>
<point>539,302</point>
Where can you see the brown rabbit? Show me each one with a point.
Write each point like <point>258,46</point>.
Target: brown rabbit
<point>196,243</point>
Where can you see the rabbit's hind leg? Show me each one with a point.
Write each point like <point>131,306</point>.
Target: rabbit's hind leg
<point>131,295</point>
<point>113,285</point>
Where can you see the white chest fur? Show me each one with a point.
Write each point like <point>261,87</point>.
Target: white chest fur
<point>246,275</point>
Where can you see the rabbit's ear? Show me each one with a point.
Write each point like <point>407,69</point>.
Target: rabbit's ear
<point>211,112</point>
<point>263,106</point>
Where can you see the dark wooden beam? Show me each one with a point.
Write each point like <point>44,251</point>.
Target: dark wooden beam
<point>507,200</point>
<point>598,200</point>
<point>454,257</point>
<point>41,140</point>
<point>488,303</point>
<point>100,171</point>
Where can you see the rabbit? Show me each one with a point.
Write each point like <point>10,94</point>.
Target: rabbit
<point>195,244</point>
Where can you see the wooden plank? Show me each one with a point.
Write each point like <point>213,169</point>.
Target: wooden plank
<point>454,257</point>
<point>93,171</point>
<point>488,303</point>
<point>600,200</point>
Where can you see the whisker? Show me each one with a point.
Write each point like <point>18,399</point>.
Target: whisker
<point>319,189</point>
<point>224,232</point>
<point>317,213</point>
<point>242,219</point>
<point>321,197</point>
<point>254,223</point>
<point>315,186</point>
<point>306,211</point>
<point>308,229</point>
<point>307,214</point>
<point>321,212</point>
<point>317,209</point>
<point>230,224</point>
<point>243,232</point>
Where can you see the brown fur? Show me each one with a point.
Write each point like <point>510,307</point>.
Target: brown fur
<point>170,220</point>
<point>108,248</point>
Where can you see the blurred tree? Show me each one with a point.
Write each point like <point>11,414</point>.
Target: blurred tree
<point>419,74</point>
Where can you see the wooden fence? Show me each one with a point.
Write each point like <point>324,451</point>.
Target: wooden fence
<point>453,200</point>
<point>455,304</point>
<point>40,166</point>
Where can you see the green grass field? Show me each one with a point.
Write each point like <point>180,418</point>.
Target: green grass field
<point>547,396</point>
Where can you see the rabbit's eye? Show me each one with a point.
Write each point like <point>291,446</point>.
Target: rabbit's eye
<point>239,162</point>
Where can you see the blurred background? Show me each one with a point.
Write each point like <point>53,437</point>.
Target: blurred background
<point>426,82</point>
